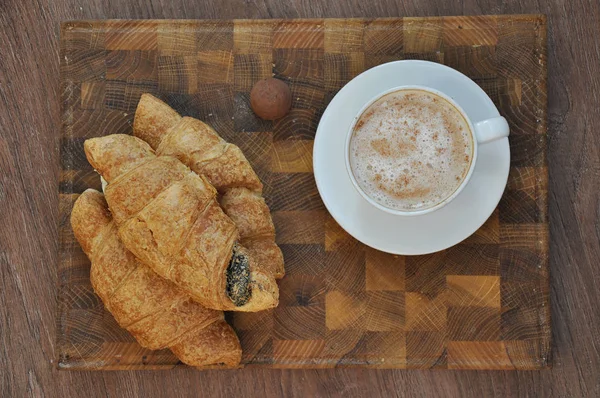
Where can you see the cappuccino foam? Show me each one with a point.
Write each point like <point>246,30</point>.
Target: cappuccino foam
<point>410,150</point>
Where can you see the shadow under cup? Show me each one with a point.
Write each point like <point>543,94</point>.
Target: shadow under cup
<point>396,155</point>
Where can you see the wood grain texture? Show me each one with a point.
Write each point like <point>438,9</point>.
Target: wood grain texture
<point>29,147</point>
<point>376,297</point>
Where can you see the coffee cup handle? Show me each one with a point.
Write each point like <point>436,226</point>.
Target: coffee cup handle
<point>491,130</point>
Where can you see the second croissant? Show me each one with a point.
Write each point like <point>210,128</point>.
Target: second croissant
<point>200,148</point>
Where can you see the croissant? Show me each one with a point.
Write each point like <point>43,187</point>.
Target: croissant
<point>152,309</point>
<point>199,147</point>
<point>194,143</point>
<point>168,217</point>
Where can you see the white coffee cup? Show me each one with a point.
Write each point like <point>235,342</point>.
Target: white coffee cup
<point>482,131</point>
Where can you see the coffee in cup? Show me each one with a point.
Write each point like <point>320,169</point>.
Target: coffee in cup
<point>410,150</point>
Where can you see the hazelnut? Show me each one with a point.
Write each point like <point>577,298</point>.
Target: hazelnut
<point>270,98</point>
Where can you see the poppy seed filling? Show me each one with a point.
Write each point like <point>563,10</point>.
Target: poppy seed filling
<point>238,278</point>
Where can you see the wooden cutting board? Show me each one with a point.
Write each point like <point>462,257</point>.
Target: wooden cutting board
<point>482,304</point>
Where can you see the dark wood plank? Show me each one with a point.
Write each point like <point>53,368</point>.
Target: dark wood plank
<point>28,246</point>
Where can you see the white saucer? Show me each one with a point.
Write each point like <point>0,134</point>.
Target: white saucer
<point>401,234</point>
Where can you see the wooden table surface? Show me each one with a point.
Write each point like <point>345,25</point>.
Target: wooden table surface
<point>29,140</point>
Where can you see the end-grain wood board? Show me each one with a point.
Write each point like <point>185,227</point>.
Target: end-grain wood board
<point>482,304</point>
